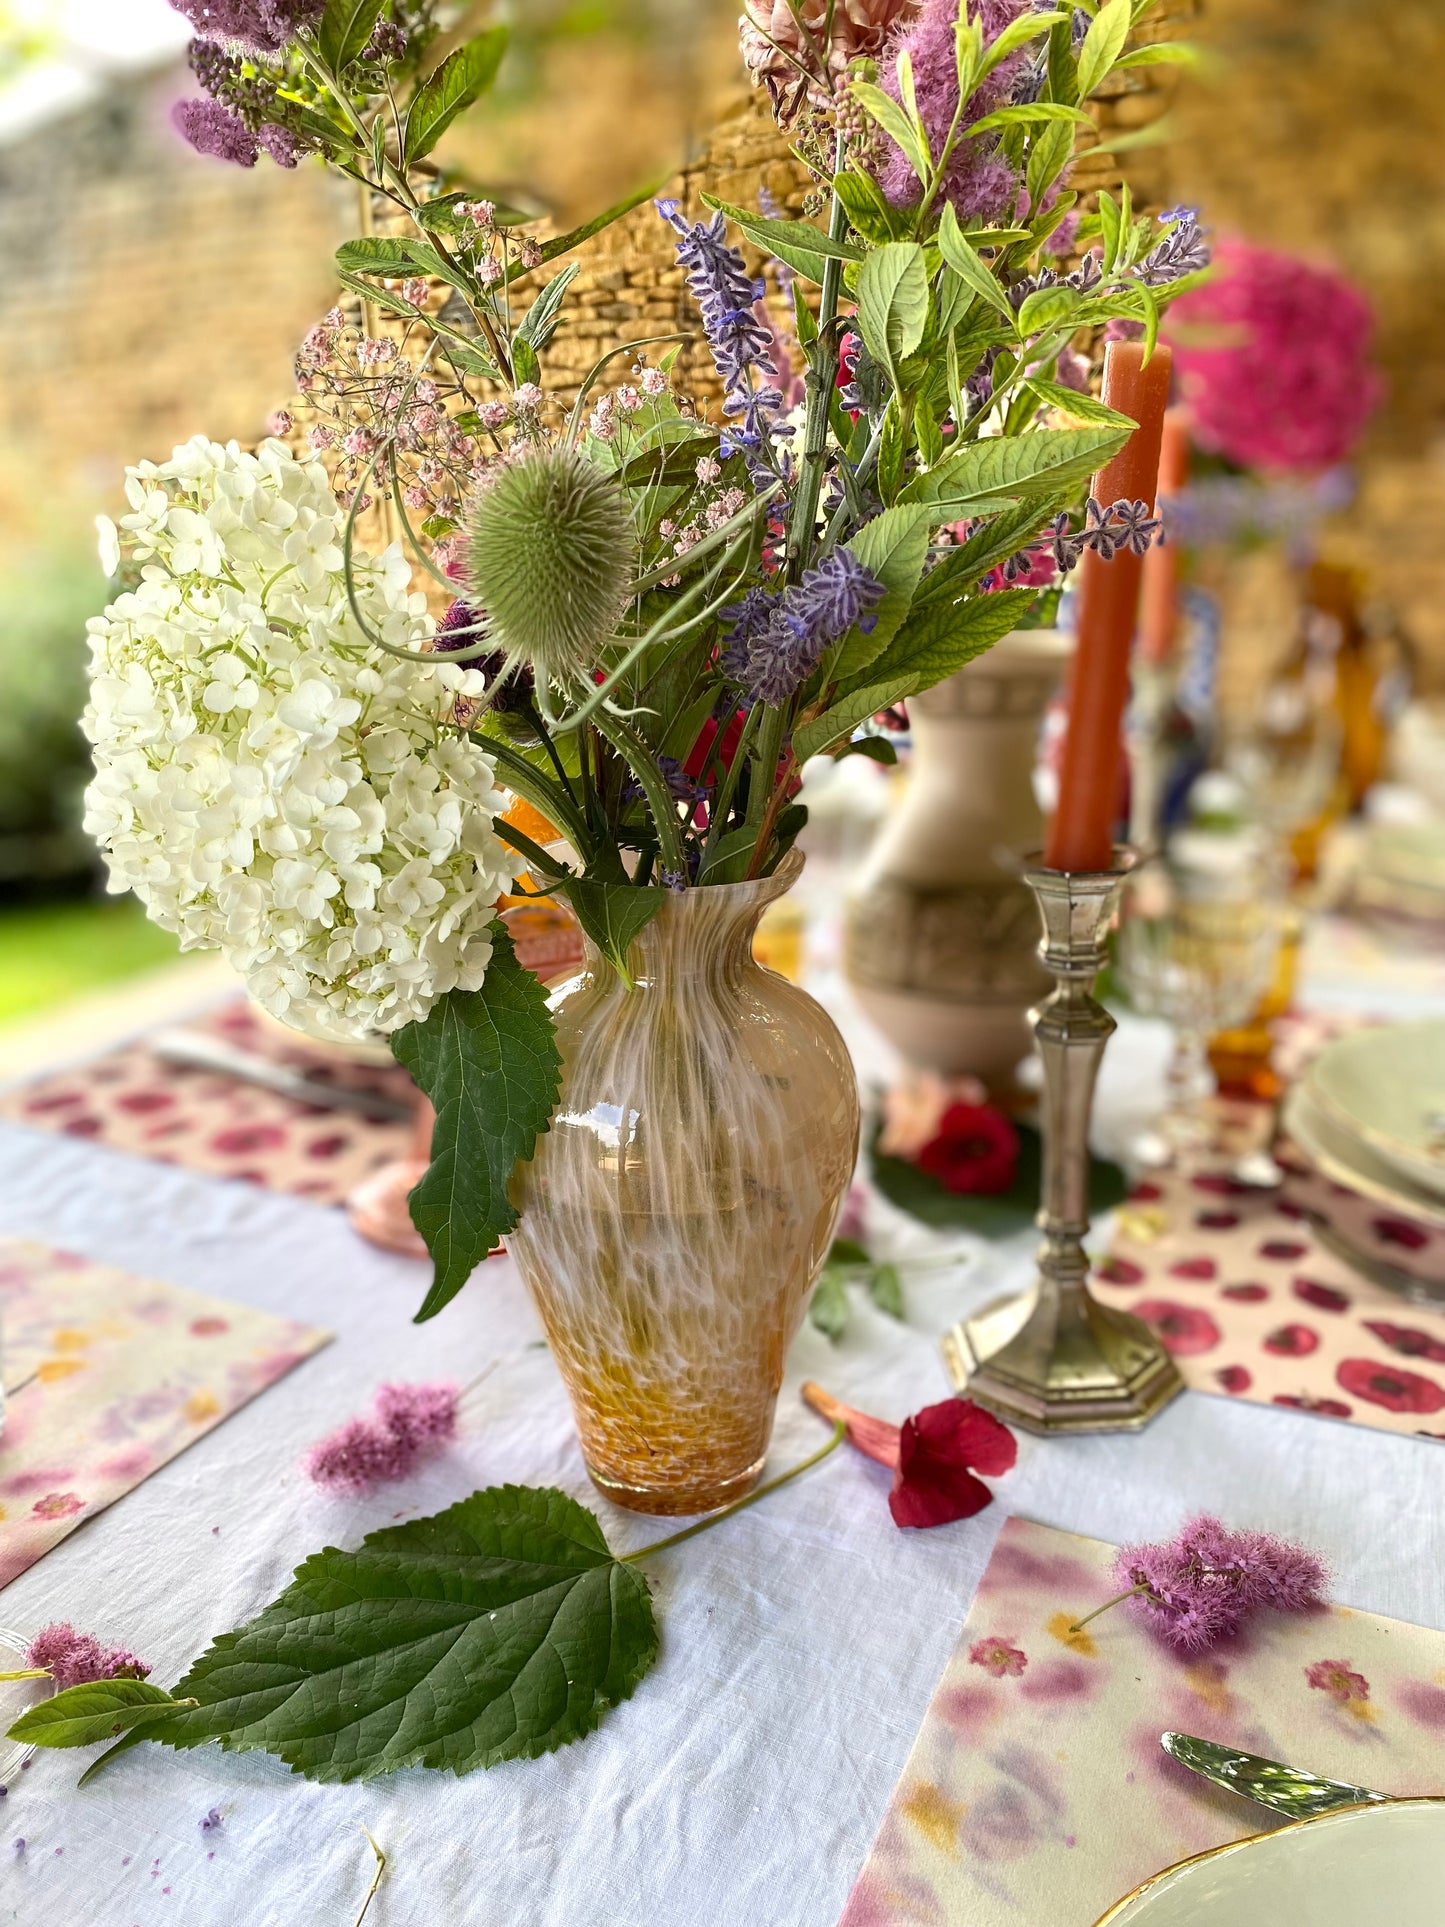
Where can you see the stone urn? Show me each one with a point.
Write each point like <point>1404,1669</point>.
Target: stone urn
<point>940,932</point>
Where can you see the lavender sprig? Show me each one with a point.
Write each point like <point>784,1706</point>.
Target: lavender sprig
<point>775,641</point>
<point>1184,249</point>
<point>1122,525</point>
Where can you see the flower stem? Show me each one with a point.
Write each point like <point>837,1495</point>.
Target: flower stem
<point>29,1672</point>
<point>738,1505</point>
<point>1118,1600</point>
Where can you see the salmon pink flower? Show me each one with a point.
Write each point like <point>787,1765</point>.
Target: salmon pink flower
<point>1333,1676</point>
<point>998,1656</point>
<point>934,1455</point>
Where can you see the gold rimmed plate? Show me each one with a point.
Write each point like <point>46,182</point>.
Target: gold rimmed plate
<point>1356,1867</point>
<point>1386,1086</point>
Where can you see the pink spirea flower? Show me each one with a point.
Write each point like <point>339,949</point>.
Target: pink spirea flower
<point>998,1656</point>
<point>1272,356</point>
<point>1202,1585</point>
<point>934,1455</point>
<point>978,179</point>
<point>76,1659</point>
<point>412,1424</point>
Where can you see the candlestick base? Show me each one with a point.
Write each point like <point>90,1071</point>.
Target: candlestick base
<point>1053,1359</point>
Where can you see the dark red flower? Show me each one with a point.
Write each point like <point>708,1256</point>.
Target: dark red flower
<point>1292,1341</point>
<point>1282,1248</point>
<point>975,1153</point>
<point>1246,1294</point>
<point>1400,1231</point>
<point>1387,1385</point>
<point>1218,1184</point>
<point>1217,1220</point>
<point>701,753</point>
<point>1146,1193</point>
<point>934,1455</point>
<point>1234,1378</point>
<point>1322,1297</point>
<point>1327,1407</point>
<point>1182,1329</point>
<point>1121,1271</point>
<point>1408,1340</point>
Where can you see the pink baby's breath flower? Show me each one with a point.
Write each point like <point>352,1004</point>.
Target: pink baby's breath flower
<point>629,399</point>
<point>279,422</point>
<point>414,291</point>
<point>416,498</point>
<point>360,442</point>
<point>412,1424</point>
<point>333,318</point>
<point>733,500</point>
<point>489,271</point>
<point>654,382</point>
<point>76,1659</point>
<point>707,469</point>
<point>319,438</point>
<point>494,414</point>
<point>528,396</point>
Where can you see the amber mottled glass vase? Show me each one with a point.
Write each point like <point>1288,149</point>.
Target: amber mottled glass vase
<point>675,1216</point>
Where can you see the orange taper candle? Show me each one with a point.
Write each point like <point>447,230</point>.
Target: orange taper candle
<point>1079,836</point>
<point>1159,599</point>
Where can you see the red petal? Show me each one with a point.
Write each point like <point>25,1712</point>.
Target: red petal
<point>874,1437</point>
<point>958,1432</point>
<point>930,1494</point>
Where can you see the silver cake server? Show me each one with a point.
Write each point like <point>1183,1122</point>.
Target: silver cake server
<point>1286,1789</point>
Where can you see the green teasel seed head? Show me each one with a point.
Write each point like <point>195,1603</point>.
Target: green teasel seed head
<point>549,555</point>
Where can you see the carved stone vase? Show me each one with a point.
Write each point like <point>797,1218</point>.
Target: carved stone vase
<point>676,1214</point>
<point>940,934</point>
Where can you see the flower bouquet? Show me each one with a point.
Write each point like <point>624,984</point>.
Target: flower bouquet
<point>655,618</point>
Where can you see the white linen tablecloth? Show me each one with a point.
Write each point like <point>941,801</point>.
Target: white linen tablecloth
<point>742,1784</point>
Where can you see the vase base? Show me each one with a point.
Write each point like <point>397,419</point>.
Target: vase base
<point>678,1500</point>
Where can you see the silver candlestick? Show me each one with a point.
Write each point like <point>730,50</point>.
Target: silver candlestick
<point>1054,1359</point>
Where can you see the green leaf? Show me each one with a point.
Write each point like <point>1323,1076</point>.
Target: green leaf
<point>1018,33</point>
<point>958,252</point>
<point>991,543</point>
<point>835,725</point>
<point>464,76</point>
<point>1110,229</point>
<point>893,302</point>
<point>1084,408</point>
<point>868,208</point>
<point>613,914</point>
<point>472,360</point>
<point>894,548</point>
<point>885,1288</point>
<point>1046,309</point>
<point>1103,44</point>
<point>828,1307</point>
<point>574,237</point>
<point>1049,154</point>
<point>374,254</point>
<point>802,246</point>
<point>539,323</point>
<point>1176,53</point>
<point>525,365</point>
<point>943,636</point>
<point>877,749</point>
<point>85,1715</point>
<point>499,1629</point>
<point>346,27</point>
<point>1044,460</point>
<point>383,297</point>
<point>488,1061</point>
<point>1035,114</point>
<point>883,109</point>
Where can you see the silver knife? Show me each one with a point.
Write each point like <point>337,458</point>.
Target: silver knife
<point>1285,1789</point>
<point>202,1052</point>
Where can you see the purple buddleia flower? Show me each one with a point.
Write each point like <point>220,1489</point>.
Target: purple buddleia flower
<point>284,147</point>
<point>262,26</point>
<point>1184,249</point>
<point>213,129</point>
<point>808,617</point>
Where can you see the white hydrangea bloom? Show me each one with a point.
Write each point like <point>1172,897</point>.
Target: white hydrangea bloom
<point>267,783</point>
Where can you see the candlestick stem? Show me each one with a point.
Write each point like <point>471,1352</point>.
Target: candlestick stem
<point>1054,1359</point>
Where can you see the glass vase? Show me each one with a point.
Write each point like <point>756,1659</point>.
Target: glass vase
<point>677,1213</point>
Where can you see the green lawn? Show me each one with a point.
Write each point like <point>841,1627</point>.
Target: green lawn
<point>49,952</point>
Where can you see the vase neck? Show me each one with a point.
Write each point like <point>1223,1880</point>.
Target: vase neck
<point>700,932</point>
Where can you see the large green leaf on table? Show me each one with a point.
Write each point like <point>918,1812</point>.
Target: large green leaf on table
<point>798,243</point>
<point>499,1629</point>
<point>86,1715</point>
<point>927,1199</point>
<point>837,724</point>
<point>1046,460</point>
<point>488,1061</point>
<point>893,547</point>
<point>346,28</point>
<point>463,77</point>
<point>893,303</point>
<point>943,636</point>
<point>612,914</point>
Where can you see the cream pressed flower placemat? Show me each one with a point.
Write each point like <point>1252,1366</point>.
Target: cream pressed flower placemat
<point>107,1377</point>
<point>1037,1793</point>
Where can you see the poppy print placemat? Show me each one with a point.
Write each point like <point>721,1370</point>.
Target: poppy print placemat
<point>1252,1305</point>
<point>1037,1793</point>
<point>107,1377</point>
<point>132,1100</point>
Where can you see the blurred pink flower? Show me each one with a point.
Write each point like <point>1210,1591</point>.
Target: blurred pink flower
<point>1203,1584</point>
<point>412,1424</point>
<point>1272,355</point>
<point>775,48</point>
